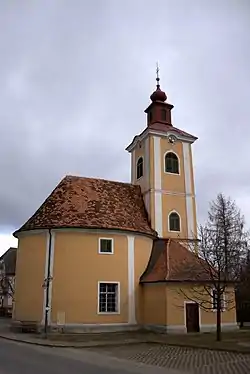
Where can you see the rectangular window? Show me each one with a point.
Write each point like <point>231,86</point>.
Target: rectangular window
<point>108,298</point>
<point>106,246</point>
<point>215,301</point>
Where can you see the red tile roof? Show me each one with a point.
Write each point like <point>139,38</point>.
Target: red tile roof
<point>171,261</point>
<point>165,128</point>
<point>92,203</point>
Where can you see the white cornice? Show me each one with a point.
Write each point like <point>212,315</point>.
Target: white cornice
<point>148,131</point>
<point>79,230</point>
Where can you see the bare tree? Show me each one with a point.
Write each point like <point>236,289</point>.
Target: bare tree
<point>6,285</point>
<point>220,250</point>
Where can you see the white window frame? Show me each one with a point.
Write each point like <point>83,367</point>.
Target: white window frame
<point>117,300</point>
<point>99,246</point>
<point>223,309</point>
<point>173,211</point>
<point>179,163</point>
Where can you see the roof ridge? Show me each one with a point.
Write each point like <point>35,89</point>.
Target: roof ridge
<point>69,176</point>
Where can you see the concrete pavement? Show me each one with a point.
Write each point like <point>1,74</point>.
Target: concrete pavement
<point>29,359</point>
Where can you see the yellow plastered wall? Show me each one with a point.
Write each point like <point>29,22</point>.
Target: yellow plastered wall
<point>143,248</point>
<point>172,182</point>
<point>30,272</point>
<point>178,294</point>
<point>77,269</point>
<point>154,304</point>
<point>174,203</point>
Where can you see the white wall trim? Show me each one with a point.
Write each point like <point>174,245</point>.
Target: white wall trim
<point>179,162</point>
<point>168,192</point>
<point>133,166</point>
<point>157,185</point>
<point>99,246</point>
<point>147,162</point>
<point>118,298</point>
<point>131,280</point>
<point>188,186</point>
<point>174,211</point>
<point>93,231</point>
<point>31,232</point>
<point>52,255</point>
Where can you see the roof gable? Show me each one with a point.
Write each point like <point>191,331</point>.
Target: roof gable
<point>172,261</point>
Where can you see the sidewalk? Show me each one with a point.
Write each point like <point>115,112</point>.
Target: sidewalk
<point>232,342</point>
<point>87,341</point>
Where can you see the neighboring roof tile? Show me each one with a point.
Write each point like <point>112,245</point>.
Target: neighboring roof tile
<point>171,261</point>
<point>9,259</point>
<point>92,203</point>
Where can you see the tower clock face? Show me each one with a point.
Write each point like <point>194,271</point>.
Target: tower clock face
<point>172,139</point>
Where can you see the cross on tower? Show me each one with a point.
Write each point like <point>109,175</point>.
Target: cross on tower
<point>157,75</point>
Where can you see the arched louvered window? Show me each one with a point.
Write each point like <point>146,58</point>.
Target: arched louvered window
<point>174,222</point>
<point>139,168</point>
<point>171,163</point>
<point>163,115</point>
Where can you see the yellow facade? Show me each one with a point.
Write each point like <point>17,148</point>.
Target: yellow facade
<point>177,192</point>
<point>77,268</point>
<point>165,307</point>
<point>30,267</point>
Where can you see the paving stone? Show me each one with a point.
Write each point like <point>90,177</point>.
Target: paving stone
<point>196,361</point>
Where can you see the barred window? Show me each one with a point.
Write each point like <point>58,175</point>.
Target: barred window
<point>108,298</point>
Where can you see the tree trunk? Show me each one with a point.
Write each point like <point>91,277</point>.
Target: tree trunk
<point>218,323</point>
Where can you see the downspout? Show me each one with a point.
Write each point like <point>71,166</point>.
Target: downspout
<point>166,289</point>
<point>47,287</point>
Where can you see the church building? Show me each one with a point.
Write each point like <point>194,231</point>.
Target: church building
<point>101,255</point>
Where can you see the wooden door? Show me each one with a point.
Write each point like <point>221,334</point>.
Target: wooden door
<point>192,317</point>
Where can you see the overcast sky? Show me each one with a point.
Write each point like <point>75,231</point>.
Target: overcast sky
<point>76,77</point>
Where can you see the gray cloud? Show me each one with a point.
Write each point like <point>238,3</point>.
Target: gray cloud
<point>76,76</point>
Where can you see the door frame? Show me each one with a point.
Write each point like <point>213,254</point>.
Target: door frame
<point>185,319</point>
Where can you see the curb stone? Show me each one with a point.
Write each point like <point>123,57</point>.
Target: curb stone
<point>115,344</point>
<point>56,345</point>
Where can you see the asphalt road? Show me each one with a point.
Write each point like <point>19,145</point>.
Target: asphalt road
<point>19,358</point>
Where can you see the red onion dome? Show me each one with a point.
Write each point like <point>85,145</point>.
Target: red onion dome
<point>158,95</point>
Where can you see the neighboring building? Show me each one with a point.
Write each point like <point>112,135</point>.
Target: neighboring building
<point>97,254</point>
<point>7,277</point>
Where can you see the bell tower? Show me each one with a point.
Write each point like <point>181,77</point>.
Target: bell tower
<point>161,163</point>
